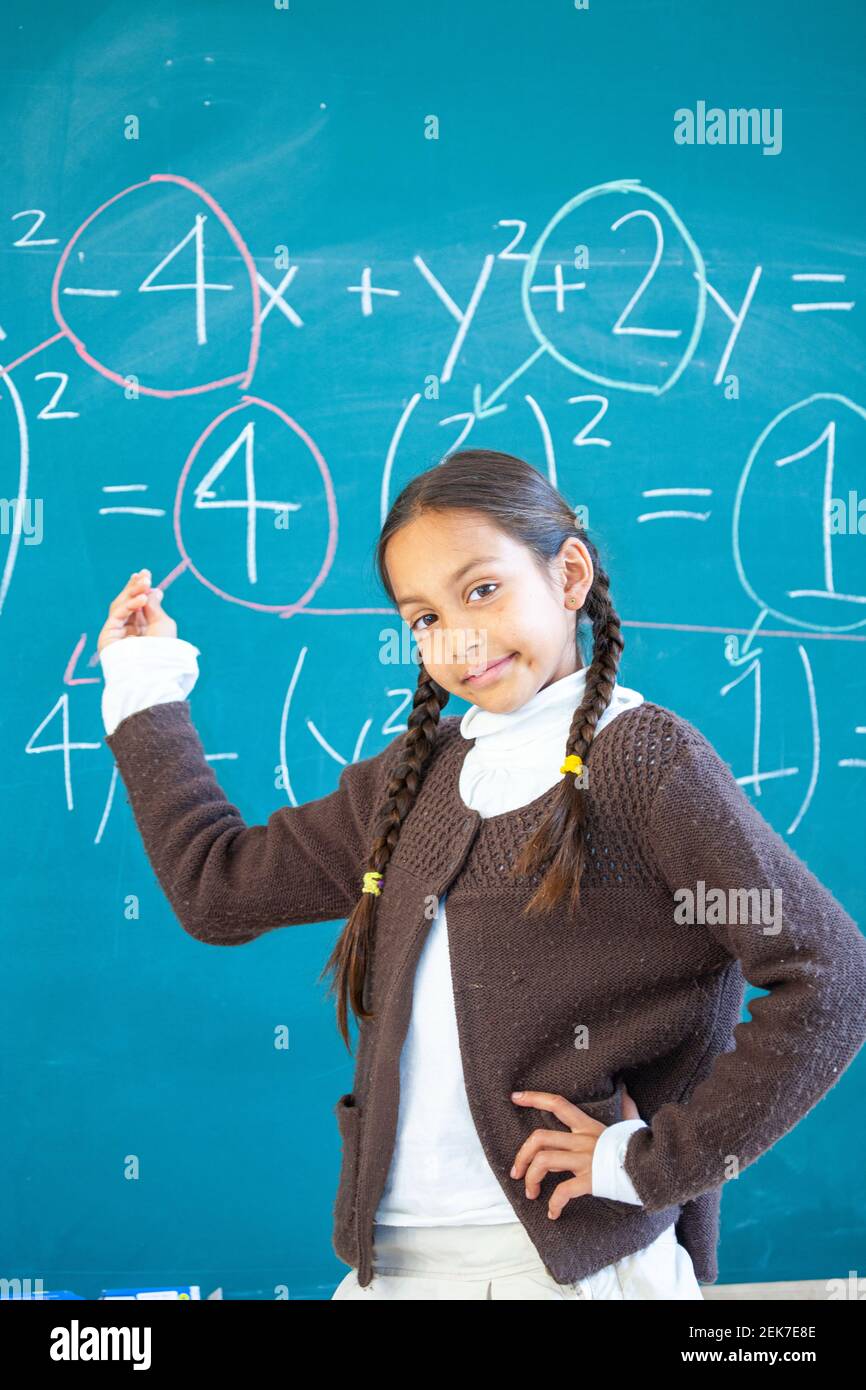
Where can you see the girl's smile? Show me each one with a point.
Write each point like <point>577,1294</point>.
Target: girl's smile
<point>491,672</point>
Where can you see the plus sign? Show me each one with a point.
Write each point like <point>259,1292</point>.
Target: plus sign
<point>366,291</point>
<point>558,287</point>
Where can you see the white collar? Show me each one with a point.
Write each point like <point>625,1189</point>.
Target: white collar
<point>546,716</point>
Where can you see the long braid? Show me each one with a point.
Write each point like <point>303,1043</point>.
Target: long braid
<point>350,958</point>
<point>559,840</point>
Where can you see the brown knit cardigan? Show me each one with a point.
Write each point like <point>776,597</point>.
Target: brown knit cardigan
<point>660,1000</point>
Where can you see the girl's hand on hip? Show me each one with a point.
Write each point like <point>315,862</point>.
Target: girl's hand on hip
<point>560,1151</point>
<point>136,612</point>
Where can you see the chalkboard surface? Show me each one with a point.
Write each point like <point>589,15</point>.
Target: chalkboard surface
<point>262,264</point>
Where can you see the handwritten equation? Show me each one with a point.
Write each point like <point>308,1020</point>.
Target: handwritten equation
<point>616,298</point>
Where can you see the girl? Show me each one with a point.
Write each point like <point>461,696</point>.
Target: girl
<point>575,1010</point>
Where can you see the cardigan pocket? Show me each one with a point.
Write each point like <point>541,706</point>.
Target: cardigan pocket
<point>608,1111</point>
<point>345,1233</point>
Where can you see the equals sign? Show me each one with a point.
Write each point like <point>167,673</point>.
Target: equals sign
<point>675,492</point>
<point>855,762</point>
<point>821,304</point>
<point>136,511</point>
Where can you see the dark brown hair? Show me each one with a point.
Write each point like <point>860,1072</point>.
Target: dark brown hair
<point>518,499</point>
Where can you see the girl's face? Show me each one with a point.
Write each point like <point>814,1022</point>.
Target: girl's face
<point>472,596</point>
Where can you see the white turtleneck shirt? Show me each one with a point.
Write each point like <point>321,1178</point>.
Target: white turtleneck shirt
<point>439,1173</point>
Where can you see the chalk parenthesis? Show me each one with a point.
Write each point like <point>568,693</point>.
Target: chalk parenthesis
<point>23,473</point>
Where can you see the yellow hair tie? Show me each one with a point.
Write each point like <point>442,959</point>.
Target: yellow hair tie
<point>370,884</point>
<point>573,763</point>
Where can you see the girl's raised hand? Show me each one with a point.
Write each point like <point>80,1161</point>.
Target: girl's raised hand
<point>136,612</point>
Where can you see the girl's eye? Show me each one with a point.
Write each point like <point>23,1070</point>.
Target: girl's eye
<point>490,585</point>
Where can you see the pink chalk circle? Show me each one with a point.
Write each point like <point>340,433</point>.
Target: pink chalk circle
<point>241,379</point>
<point>285,610</point>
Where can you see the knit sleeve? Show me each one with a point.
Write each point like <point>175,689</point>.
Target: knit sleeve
<point>226,881</point>
<point>810,956</point>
